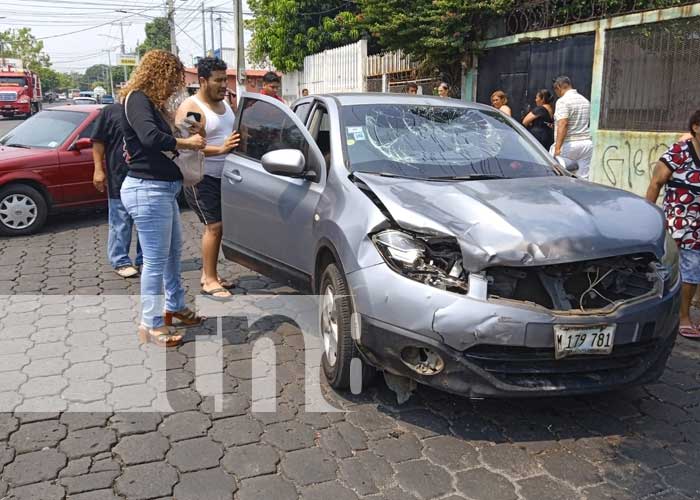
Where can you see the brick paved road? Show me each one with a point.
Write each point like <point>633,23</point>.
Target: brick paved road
<point>642,443</point>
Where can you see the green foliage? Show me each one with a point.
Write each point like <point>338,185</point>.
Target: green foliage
<point>53,81</point>
<point>285,31</point>
<point>21,44</point>
<point>157,36</point>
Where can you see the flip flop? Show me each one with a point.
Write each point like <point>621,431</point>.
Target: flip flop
<point>211,295</point>
<point>689,332</point>
<point>224,283</point>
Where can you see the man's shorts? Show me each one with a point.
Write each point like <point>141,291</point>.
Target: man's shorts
<point>205,199</point>
<point>690,266</point>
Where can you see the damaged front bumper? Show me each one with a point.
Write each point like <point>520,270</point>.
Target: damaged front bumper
<point>501,348</point>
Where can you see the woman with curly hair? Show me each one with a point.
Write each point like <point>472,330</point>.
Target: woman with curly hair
<point>150,191</point>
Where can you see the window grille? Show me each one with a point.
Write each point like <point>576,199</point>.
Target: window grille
<point>650,76</point>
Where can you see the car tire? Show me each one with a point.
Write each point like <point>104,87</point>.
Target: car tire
<point>335,298</point>
<point>31,204</point>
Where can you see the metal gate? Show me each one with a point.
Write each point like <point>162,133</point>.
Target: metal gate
<point>521,70</point>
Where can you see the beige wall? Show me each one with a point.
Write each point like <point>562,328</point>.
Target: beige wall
<point>625,159</point>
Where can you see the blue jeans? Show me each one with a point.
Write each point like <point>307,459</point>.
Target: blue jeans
<point>153,206</point>
<point>119,240</point>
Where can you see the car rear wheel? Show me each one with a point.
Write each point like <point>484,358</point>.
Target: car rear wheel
<point>335,316</point>
<point>23,210</point>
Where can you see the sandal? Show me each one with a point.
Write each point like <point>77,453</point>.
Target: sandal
<point>223,282</point>
<point>185,317</point>
<point>171,337</point>
<point>689,332</point>
<point>212,294</point>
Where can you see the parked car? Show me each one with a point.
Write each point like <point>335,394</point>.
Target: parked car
<point>46,164</point>
<point>107,99</point>
<point>62,96</point>
<point>83,100</point>
<point>448,247</point>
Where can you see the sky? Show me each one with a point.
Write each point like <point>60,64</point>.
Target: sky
<point>80,33</point>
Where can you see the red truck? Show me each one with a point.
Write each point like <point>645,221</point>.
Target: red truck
<point>20,91</point>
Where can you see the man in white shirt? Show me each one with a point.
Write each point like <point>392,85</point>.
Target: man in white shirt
<point>209,107</point>
<point>572,134</point>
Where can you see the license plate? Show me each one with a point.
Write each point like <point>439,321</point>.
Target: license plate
<point>573,340</point>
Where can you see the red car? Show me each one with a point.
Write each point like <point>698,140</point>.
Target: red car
<point>45,165</point>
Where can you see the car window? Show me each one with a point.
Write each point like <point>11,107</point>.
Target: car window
<point>265,128</point>
<point>47,129</point>
<point>87,131</point>
<point>439,142</point>
<point>302,111</point>
<point>320,127</point>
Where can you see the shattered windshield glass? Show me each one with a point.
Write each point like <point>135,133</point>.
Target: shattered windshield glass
<point>438,142</point>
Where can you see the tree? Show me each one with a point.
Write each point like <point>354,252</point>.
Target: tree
<point>439,33</point>
<point>21,44</point>
<point>157,36</point>
<point>286,31</point>
<point>52,80</point>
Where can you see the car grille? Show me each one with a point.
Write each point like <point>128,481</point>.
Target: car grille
<point>537,368</point>
<point>8,96</point>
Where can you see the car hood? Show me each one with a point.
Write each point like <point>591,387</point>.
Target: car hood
<point>10,155</point>
<point>524,222</point>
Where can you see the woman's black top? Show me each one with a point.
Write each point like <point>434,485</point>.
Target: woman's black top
<point>146,135</point>
<point>543,126</point>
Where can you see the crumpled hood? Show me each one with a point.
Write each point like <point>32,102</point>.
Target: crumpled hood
<point>524,222</point>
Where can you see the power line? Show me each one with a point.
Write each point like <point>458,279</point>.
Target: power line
<point>86,29</point>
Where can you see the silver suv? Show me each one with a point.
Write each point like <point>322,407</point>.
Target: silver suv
<point>474,262</point>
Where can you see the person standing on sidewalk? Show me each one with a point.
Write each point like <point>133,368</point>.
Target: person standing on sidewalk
<point>679,171</point>
<point>217,119</point>
<point>108,144</point>
<point>150,191</point>
<point>572,134</point>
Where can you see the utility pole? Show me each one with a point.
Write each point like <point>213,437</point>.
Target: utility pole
<point>109,70</point>
<point>204,31</point>
<point>211,25</point>
<point>221,37</point>
<point>121,28</point>
<point>171,24</point>
<point>240,49</point>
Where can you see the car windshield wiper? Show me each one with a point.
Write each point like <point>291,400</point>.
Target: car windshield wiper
<point>13,145</point>
<point>388,174</point>
<point>471,177</point>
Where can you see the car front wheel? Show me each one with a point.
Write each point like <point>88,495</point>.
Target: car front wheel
<point>23,210</point>
<point>335,315</point>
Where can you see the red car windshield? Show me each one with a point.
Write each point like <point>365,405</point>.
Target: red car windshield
<point>47,130</point>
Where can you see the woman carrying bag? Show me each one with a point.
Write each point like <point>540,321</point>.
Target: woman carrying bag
<point>150,191</point>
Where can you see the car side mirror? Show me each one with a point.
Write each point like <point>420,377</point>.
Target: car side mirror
<point>82,143</point>
<point>285,162</point>
<point>569,165</point>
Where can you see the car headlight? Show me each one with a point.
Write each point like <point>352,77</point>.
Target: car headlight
<point>670,264</point>
<point>430,260</point>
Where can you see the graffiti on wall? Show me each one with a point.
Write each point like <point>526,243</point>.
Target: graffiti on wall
<point>626,159</point>
<point>629,163</point>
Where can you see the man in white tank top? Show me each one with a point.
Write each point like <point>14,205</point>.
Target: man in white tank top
<point>209,107</point>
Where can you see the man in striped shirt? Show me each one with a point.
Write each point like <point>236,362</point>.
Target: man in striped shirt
<point>572,134</point>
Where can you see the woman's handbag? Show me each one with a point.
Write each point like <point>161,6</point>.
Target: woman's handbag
<point>190,162</point>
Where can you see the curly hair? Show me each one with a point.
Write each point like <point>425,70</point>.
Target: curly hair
<point>159,75</point>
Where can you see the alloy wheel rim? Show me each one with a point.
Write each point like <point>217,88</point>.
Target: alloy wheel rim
<point>329,326</point>
<point>18,211</point>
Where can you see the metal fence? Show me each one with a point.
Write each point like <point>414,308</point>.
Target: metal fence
<point>532,15</point>
<point>651,75</point>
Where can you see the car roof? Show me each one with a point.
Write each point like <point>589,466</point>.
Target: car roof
<point>84,108</point>
<point>357,98</point>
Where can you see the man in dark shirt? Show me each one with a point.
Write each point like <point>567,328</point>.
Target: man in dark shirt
<point>108,143</point>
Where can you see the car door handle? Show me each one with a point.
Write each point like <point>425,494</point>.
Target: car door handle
<point>234,176</point>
